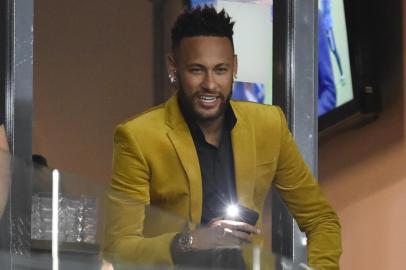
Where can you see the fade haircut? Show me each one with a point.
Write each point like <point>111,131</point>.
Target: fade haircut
<point>202,21</point>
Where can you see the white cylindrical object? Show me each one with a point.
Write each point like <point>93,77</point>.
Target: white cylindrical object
<point>256,258</point>
<point>55,219</point>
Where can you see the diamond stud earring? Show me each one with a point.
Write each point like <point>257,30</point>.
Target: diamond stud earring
<point>172,77</point>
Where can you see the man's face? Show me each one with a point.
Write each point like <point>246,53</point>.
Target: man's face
<point>205,68</point>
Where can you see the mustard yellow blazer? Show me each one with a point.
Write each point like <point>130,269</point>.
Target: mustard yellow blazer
<point>156,171</point>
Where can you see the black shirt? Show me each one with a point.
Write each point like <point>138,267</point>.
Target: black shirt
<point>219,190</point>
<point>216,166</point>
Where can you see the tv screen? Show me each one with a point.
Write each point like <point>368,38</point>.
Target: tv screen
<point>253,45</point>
<point>336,91</point>
<point>334,71</point>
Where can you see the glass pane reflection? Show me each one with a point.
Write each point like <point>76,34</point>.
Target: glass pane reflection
<point>84,229</point>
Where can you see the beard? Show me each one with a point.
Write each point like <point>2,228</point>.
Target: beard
<point>188,105</point>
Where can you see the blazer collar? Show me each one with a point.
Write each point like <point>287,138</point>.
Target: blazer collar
<point>173,113</point>
<point>243,140</point>
<point>182,141</point>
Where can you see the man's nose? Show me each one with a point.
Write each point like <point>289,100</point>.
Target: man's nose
<point>209,81</point>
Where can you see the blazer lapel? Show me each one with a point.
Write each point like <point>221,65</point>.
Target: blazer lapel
<point>244,158</point>
<point>184,146</point>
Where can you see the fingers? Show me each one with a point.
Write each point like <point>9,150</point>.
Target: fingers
<point>223,233</point>
<point>214,221</point>
<point>232,239</point>
<point>237,225</point>
<point>235,234</point>
<point>228,239</point>
<point>243,236</point>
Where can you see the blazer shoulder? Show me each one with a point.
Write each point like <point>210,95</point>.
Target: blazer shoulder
<point>258,112</point>
<point>253,106</point>
<point>151,118</point>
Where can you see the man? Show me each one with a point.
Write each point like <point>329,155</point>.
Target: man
<point>199,151</point>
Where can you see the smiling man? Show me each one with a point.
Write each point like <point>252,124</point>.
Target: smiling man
<point>200,152</point>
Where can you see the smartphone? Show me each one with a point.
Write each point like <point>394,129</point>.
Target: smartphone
<point>246,215</point>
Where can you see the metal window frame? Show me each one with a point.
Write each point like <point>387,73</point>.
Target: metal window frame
<point>18,84</point>
<point>295,91</point>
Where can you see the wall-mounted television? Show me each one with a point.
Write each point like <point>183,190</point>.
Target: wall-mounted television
<point>351,45</point>
<point>253,35</point>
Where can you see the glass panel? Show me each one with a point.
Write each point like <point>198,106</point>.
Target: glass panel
<point>79,224</point>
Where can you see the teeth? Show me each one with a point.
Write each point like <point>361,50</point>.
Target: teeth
<point>207,98</point>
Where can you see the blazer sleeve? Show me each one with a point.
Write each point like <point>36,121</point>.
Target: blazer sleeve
<point>126,204</point>
<point>302,195</point>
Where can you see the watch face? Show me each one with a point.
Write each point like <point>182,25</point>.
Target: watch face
<point>190,242</point>
<point>185,242</point>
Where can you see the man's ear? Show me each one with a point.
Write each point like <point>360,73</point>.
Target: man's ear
<point>171,64</point>
<point>235,66</point>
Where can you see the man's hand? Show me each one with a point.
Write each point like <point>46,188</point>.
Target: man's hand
<point>222,234</point>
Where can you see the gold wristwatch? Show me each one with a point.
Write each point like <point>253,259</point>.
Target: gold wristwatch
<point>185,242</point>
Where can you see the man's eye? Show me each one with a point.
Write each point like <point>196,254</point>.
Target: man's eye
<point>195,70</point>
<point>221,70</point>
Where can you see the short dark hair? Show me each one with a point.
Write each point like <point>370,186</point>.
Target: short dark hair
<point>202,21</point>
